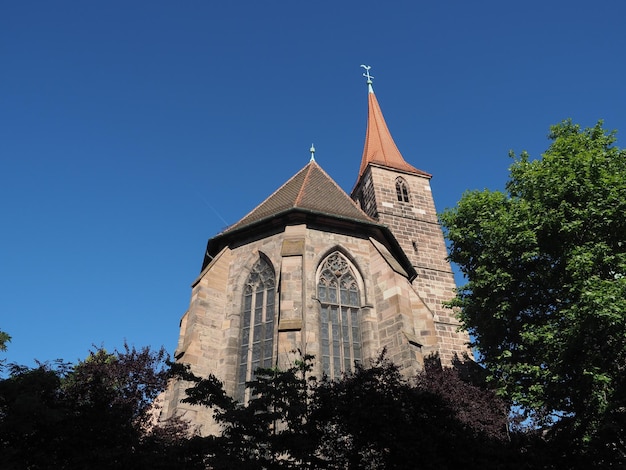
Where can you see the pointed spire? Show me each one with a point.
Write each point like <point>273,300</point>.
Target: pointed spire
<point>312,150</point>
<point>379,145</point>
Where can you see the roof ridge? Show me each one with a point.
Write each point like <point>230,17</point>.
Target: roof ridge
<point>262,202</point>
<point>306,179</point>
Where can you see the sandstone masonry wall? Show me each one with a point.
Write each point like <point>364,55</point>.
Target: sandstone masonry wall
<point>415,226</point>
<point>392,316</point>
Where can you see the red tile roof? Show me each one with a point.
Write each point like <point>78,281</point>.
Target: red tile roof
<point>379,145</point>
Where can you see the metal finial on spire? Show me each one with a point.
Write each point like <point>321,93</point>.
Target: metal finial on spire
<point>367,73</point>
<point>312,150</point>
<point>369,77</point>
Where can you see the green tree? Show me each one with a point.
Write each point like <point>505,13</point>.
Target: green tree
<point>4,339</point>
<point>545,298</point>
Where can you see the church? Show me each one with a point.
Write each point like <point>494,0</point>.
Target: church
<point>315,270</point>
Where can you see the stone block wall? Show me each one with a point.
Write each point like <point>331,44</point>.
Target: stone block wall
<point>392,315</point>
<point>417,230</point>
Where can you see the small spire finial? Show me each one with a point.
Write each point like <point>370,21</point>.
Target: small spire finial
<point>369,77</point>
<point>312,150</point>
<point>367,73</point>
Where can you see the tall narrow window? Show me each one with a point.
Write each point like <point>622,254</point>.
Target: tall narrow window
<point>402,190</point>
<point>257,324</point>
<point>340,335</point>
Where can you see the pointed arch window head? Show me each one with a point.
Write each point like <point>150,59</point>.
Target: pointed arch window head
<point>340,335</point>
<point>257,324</point>
<point>402,190</point>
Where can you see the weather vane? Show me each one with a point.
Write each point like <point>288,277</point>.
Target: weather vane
<point>367,73</point>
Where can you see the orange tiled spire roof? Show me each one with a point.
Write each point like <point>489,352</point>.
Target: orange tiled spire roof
<point>379,145</point>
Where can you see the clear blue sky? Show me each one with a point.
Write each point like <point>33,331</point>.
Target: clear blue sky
<point>131,132</point>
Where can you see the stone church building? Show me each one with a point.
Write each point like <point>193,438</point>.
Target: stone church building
<point>334,275</point>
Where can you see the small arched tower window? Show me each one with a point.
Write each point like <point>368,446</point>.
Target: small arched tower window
<point>340,335</point>
<point>257,324</point>
<point>402,190</point>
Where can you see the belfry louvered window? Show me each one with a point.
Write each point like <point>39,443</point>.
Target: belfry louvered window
<point>402,190</point>
<point>257,324</point>
<point>340,336</point>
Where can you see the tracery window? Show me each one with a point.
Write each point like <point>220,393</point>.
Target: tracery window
<point>340,336</point>
<point>402,190</point>
<point>257,324</point>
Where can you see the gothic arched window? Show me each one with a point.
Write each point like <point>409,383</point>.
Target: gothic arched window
<point>257,324</point>
<point>340,336</point>
<point>402,190</point>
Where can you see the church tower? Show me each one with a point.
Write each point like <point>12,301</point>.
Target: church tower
<point>311,270</point>
<point>399,196</point>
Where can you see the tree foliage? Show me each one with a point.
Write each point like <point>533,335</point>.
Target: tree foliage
<point>375,418</point>
<point>545,298</point>
<point>4,339</point>
<point>95,414</point>
<point>271,430</point>
<point>372,418</point>
<point>98,414</point>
